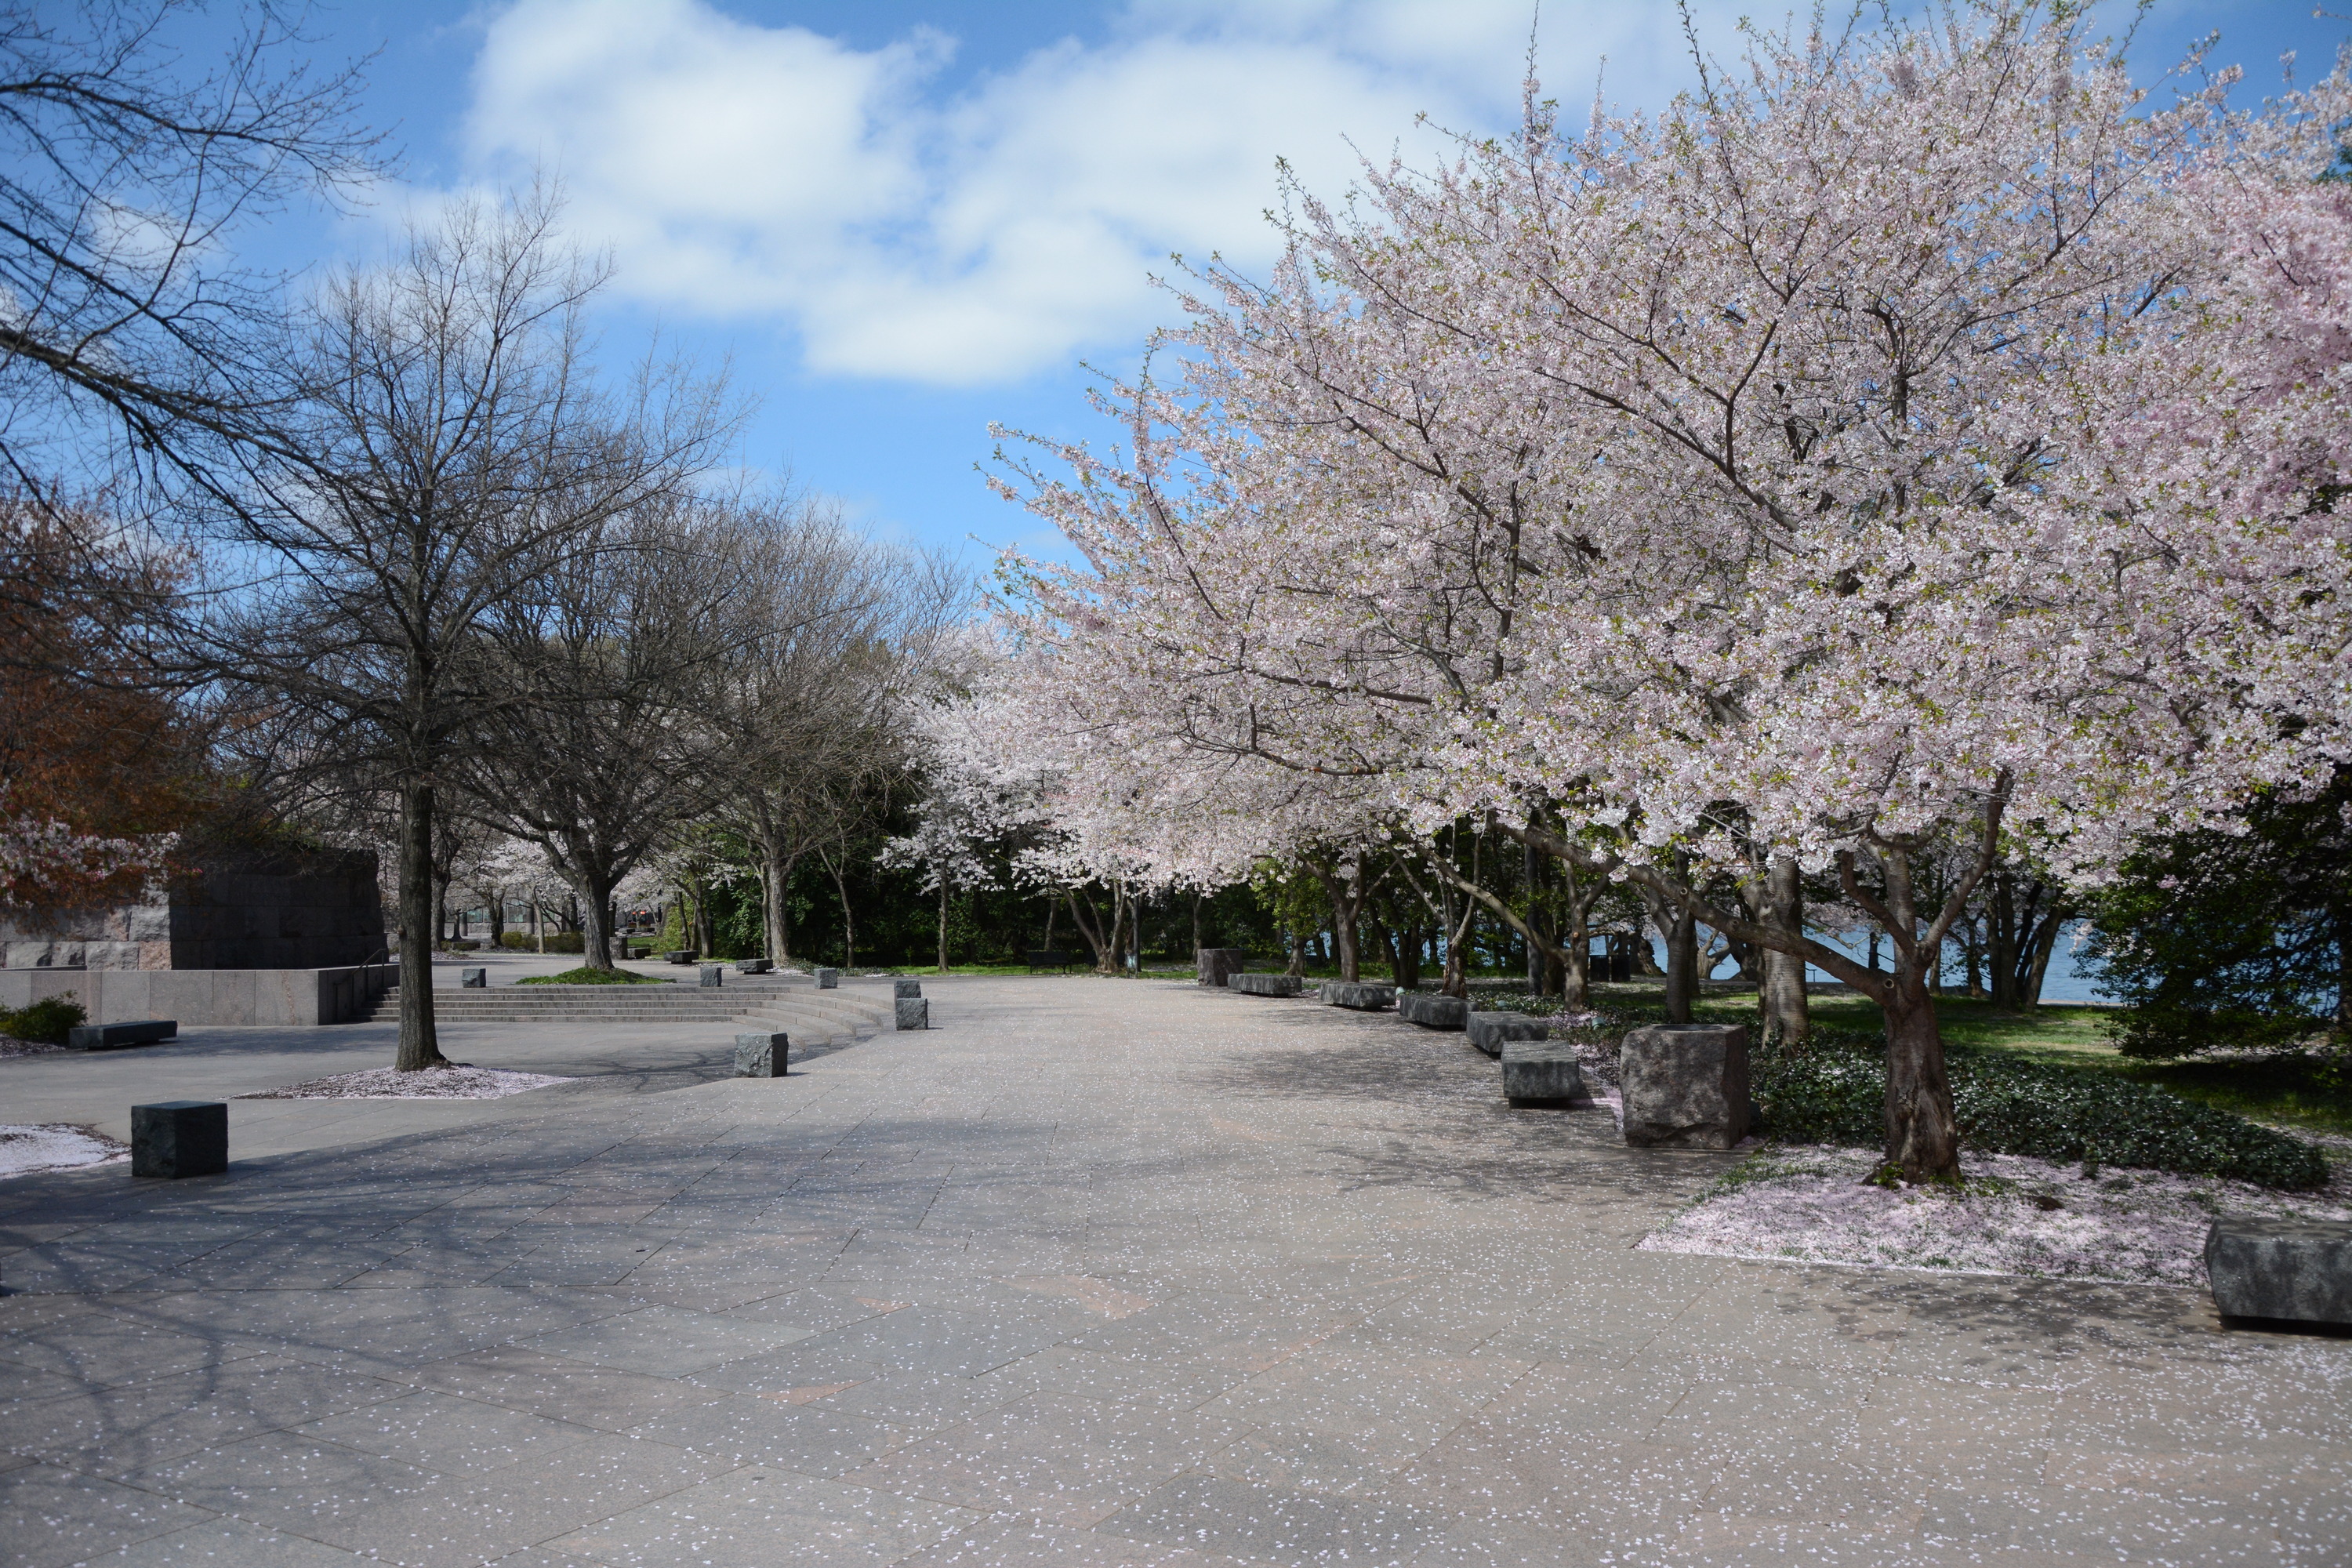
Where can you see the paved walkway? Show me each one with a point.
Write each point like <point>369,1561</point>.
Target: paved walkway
<point>1096,1273</point>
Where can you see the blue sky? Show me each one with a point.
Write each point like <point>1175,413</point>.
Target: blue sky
<point>900,221</point>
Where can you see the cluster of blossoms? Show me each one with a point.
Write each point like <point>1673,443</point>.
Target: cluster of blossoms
<point>1908,436</point>
<point>41,853</point>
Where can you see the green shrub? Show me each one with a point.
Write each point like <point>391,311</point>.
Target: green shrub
<point>517,942</point>
<point>592,977</point>
<point>1836,1093</point>
<point>45,1021</point>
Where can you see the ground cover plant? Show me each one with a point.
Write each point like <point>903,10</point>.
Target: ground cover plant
<point>594,977</point>
<point>2013,1090</point>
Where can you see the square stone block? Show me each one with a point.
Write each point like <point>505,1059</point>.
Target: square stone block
<point>914,1013</point>
<point>2288,1270</point>
<point>1219,964</point>
<point>1433,1012</point>
<point>1491,1031</point>
<point>762,1056</point>
<point>902,989</point>
<point>474,979</point>
<point>176,1138</point>
<point>828,979</point>
<point>1364,997</point>
<point>1686,1086</point>
<point>1265,985</point>
<point>713,976</point>
<point>114,1037</point>
<point>1543,1072</point>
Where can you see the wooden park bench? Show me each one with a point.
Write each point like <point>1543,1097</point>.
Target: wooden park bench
<point>1050,958</point>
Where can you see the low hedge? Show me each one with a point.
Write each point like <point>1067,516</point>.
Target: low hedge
<point>1836,1093</point>
<point>557,942</point>
<point>45,1021</point>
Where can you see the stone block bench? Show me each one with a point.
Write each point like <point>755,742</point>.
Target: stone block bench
<point>2281,1271</point>
<point>176,1138</point>
<point>761,1054</point>
<point>902,989</point>
<point>115,1037</point>
<point>1050,958</point>
<point>681,955</point>
<point>1491,1031</point>
<point>1433,1012</point>
<point>1265,985</point>
<point>1686,1086</point>
<point>912,1012</point>
<point>1362,995</point>
<point>828,979</point>
<point>754,965</point>
<point>1218,965</point>
<point>1543,1072</point>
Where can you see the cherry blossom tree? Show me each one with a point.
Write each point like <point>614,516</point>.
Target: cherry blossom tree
<point>1906,434</point>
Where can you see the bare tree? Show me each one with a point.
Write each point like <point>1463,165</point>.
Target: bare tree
<point>619,652</point>
<point>123,174</point>
<point>444,449</point>
<point>815,710</point>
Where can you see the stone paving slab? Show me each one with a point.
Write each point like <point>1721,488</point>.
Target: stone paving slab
<point>1275,1285</point>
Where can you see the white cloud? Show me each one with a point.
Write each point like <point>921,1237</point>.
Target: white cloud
<point>770,173</point>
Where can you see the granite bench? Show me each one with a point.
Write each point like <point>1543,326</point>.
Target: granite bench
<point>1491,1031</point>
<point>1432,1012</point>
<point>176,1138</point>
<point>1364,997</point>
<point>1265,985</point>
<point>1543,1072</point>
<point>761,1054</point>
<point>115,1037</point>
<point>1686,1086</point>
<point>2281,1271</point>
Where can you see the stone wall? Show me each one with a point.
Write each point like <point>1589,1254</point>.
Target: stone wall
<point>284,910</point>
<point>208,995</point>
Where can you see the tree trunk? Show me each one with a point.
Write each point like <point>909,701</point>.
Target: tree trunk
<point>2028,990</point>
<point>1347,895</point>
<point>1053,908</point>
<point>1680,926</point>
<point>1780,994</point>
<point>1298,954</point>
<point>1407,970</point>
<point>595,929</point>
<point>2001,942</point>
<point>420,1046</point>
<point>943,925</point>
<point>1089,923</point>
<point>848,924</point>
<point>1921,1137</point>
<point>1531,878</point>
<point>706,928</point>
<point>498,912</point>
<point>1196,926</point>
